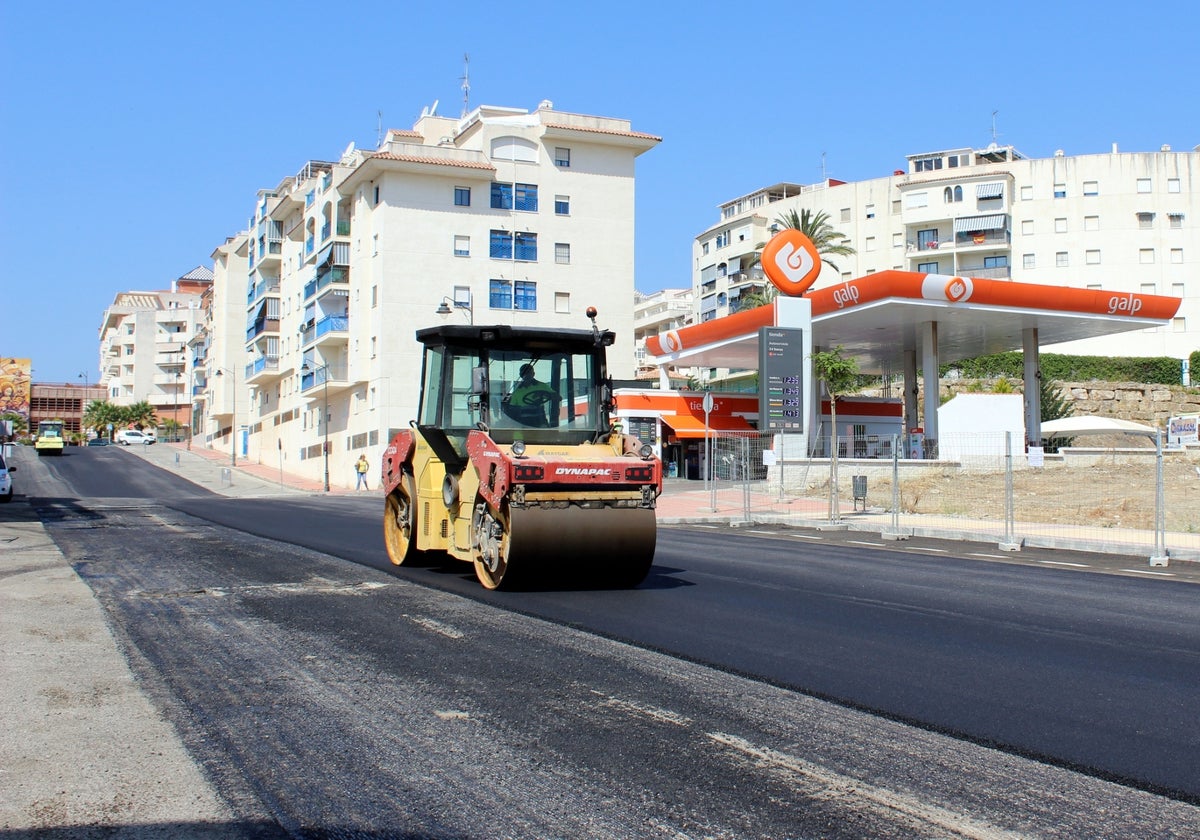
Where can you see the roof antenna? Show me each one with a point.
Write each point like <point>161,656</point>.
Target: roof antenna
<point>823,173</point>
<point>994,113</point>
<point>378,129</point>
<point>465,78</point>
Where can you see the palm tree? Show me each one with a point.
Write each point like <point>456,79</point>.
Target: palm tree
<point>99,414</point>
<point>141,414</point>
<point>840,376</point>
<point>819,231</point>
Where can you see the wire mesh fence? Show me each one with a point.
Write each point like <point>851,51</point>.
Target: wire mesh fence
<point>982,486</point>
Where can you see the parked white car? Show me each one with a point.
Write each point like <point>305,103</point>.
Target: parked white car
<point>131,436</point>
<point>6,485</point>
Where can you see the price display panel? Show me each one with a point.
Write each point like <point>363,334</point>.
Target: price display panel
<point>780,378</point>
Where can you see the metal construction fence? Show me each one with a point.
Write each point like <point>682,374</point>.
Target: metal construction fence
<point>1128,500</point>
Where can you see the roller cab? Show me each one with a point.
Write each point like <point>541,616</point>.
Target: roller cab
<point>514,464</point>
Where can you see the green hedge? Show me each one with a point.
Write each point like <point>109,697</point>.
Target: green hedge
<point>1162,370</point>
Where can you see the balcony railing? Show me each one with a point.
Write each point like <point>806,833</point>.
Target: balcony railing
<point>265,287</point>
<point>339,276</point>
<point>320,376</point>
<point>328,324</point>
<point>259,327</point>
<point>262,364</point>
<point>343,227</point>
<point>982,239</point>
<point>1003,272</point>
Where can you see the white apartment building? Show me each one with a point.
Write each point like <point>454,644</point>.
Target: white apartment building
<point>1119,221</point>
<point>503,216</point>
<point>143,346</point>
<point>655,313</point>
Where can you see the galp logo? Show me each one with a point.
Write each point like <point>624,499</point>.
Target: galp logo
<point>946,287</point>
<point>791,262</point>
<point>956,289</point>
<point>1124,305</point>
<point>848,295</point>
<point>670,341</point>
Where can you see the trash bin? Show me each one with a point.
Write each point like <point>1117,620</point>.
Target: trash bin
<point>860,491</point>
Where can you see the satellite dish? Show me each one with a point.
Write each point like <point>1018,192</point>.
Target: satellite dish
<point>349,150</point>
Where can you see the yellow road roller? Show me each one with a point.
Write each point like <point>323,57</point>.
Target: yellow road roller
<point>515,464</point>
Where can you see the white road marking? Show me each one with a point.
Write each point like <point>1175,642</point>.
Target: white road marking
<point>642,710</point>
<point>435,626</point>
<point>920,550</point>
<point>882,799</point>
<point>988,556</point>
<point>452,715</point>
<point>1148,572</point>
<point>863,542</point>
<point>1065,563</point>
<point>806,536</point>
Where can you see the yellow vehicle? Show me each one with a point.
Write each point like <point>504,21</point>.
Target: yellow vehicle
<point>49,438</point>
<point>515,464</point>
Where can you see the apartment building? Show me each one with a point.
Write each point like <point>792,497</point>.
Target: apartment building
<point>1118,221</point>
<point>655,313</point>
<point>501,216</point>
<point>143,346</point>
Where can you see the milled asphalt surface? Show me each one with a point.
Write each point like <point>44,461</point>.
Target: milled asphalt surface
<point>83,752</point>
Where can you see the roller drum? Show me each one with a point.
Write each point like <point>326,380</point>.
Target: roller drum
<point>613,546</point>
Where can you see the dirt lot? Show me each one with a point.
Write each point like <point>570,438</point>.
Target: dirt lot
<point>1116,491</point>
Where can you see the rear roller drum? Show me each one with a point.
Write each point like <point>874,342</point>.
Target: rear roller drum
<point>398,522</point>
<point>491,538</point>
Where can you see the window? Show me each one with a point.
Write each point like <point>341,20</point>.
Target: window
<point>1175,220</point>
<point>1060,225</point>
<point>1060,259</point>
<point>562,303</point>
<point>1146,256</point>
<point>1177,290</point>
<point>462,196</point>
<point>376,202</point>
<point>461,297</point>
<point>374,296</point>
<point>128,349</point>
<point>1027,227</point>
<point>845,214</point>
<point>525,295</point>
<point>562,253</point>
<point>562,157</point>
<point>897,240</point>
<point>500,247</point>
<point>1179,324</point>
<point>722,239</point>
<point>374,346</point>
<point>1172,185</point>
<point>895,207</point>
<point>462,246</point>
<point>514,197</point>
<point>526,247</point>
<point>1177,256</point>
<point>562,205</point>
<point>1143,185</point>
<point>1091,223</point>
<point>1028,261</point>
<point>913,201</point>
<point>1060,190</point>
<point>500,294</point>
<point>870,243</point>
<point>928,164</point>
<point>1092,257</point>
<point>1026,193</point>
<point>704,248</point>
<point>995,262</point>
<point>1145,220</point>
<point>927,239</point>
<point>928,267</point>
<point>870,211</point>
<point>1091,188</point>
<point>375,245</point>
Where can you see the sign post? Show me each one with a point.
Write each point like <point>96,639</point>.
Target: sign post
<point>708,483</point>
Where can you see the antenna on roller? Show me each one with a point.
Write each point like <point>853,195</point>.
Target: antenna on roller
<point>465,78</point>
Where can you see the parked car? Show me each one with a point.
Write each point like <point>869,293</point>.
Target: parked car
<point>6,484</point>
<point>99,441</point>
<point>131,436</point>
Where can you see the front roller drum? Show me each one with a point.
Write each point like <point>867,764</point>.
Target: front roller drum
<point>604,546</point>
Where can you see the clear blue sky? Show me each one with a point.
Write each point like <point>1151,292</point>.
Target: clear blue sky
<point>136,134</point>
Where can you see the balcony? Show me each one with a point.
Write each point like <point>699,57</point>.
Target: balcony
<point>1003,272</point>
<point>339,277</point>
<point>270,251</point>
<point>262,369</point>
<point>322,379</point>
<point>329,328</point>
<point>261,326</point>
<point>267,286</point>
<point>982,239</point>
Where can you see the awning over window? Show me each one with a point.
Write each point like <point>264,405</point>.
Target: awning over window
<point>325,254</point>
<point>974,223</point>
<point>989,191</point>
<point>690,426</point>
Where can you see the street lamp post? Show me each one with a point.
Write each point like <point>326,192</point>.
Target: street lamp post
<point>445,307</point>
<point>233,415</point>
<point>304,368</point>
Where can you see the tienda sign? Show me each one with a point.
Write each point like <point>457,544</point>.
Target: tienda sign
<point>791,262</point>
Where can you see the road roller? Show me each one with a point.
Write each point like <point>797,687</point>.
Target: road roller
<point>516,464</point>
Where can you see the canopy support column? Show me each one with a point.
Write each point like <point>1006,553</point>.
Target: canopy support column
<point>1033,389</point>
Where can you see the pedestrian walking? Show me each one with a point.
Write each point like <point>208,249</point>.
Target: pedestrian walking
<point>361,467</point>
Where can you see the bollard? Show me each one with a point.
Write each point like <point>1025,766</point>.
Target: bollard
<point>226,476</point>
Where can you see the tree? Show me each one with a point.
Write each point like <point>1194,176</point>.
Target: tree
<point>99,414</point>
<point>141,415</point>
<point>840,377</point>
<point>1054,407</point>
<point>20,424</point>
<point>819,231</point>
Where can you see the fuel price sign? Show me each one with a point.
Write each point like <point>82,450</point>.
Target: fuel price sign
<point>780,369</point>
